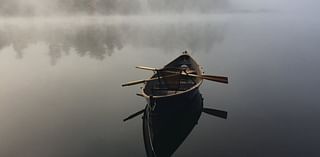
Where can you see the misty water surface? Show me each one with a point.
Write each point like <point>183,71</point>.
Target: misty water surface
<point>61,95</point>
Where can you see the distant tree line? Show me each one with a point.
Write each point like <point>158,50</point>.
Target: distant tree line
<point>106,7</point>
<point>202,6</point>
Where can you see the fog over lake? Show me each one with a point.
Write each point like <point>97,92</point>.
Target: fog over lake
<point>62,64</point>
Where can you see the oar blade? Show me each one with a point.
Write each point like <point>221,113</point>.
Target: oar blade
<point>217,113</point>
<point>220,79</point>
<point>146,68</point>
<point>134,115</point>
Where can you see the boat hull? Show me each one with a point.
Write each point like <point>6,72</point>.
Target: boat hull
<point>172,104</point>
<point>173,93</point>
<point>172,85</point>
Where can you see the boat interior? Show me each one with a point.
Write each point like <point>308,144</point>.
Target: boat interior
<point>171,81</point>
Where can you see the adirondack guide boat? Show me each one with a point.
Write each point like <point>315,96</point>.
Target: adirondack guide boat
<point>177,81</point>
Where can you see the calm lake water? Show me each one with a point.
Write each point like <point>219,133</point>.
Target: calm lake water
<point>61,94</point>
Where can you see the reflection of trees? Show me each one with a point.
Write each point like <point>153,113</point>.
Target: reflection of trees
<point>88,40</point>
<point>22,42</point>
<point>96,41</point>
<point>93,41</point>
<point>177,37</point>
<point>101,40</point>
<point>19,40</point>
<point>3,39</point>
<point>54,53</point>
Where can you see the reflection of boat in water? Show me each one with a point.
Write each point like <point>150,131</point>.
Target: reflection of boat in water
<point>163,133</point>
<point>174,104</point>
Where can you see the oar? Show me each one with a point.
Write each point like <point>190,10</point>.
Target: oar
<point>146,80</point>
<point>135,82</point>
<point>147,68</point>
<point>162,69</point>
<point>134,115</point>
<point>217,113</point>
<point>220,79</point>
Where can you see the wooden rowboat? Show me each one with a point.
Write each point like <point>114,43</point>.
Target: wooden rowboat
<point>172,84</point>
<point>177,81</point>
